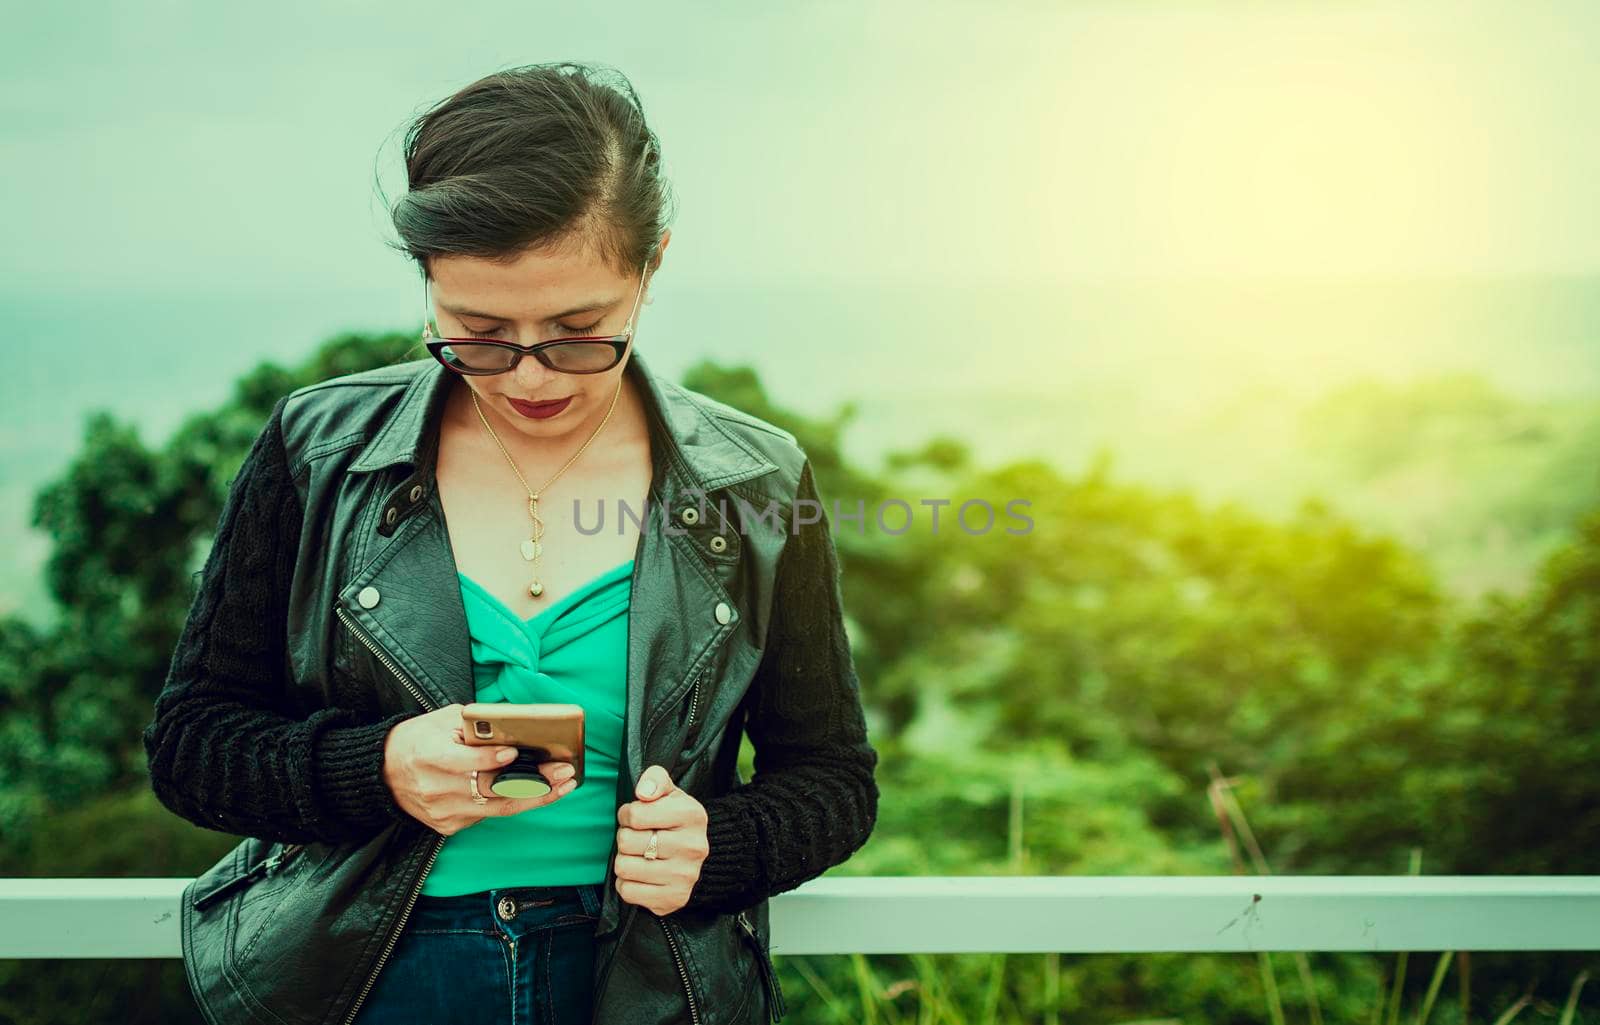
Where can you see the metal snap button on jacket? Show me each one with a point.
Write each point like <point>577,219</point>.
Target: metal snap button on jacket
<point>368,597</point>
<point>416,492</point>
<point>690,516</point>
<point>389,516</point>
<point>719,543</point>
<point>724,613</point>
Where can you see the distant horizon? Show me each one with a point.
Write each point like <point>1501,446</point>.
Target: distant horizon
<point>1141,369</point>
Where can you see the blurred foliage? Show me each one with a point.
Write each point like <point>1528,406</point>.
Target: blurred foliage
<point>1051,695</point>
<point>1488,484</point>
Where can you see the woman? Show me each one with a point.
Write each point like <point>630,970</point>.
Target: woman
<point>389,552</point>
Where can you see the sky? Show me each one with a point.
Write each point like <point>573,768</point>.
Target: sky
<point>1122,213</point>
<point>194,146</point>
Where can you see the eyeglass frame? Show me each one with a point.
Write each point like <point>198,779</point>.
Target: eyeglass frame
<point>618,342</point>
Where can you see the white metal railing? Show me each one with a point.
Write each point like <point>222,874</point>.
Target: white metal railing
<point>138,918</point>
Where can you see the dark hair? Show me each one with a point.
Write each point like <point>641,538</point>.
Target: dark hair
<point>530,158</point>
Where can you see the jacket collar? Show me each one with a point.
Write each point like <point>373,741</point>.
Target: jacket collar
<point>700,452</point>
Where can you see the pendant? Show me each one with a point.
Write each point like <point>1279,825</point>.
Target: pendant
<point>533,547</point>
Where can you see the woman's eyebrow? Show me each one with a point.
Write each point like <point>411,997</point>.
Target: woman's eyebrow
<point>597,304</point>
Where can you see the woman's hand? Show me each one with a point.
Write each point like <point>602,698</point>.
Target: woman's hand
<point>427,763</point>
<point>662,885</point>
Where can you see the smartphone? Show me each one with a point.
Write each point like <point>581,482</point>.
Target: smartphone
<point>540,732</point>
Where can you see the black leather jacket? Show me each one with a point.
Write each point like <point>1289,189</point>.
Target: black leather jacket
<point>296,933</point>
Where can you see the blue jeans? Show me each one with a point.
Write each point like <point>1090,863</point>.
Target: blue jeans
<point>523,955</point>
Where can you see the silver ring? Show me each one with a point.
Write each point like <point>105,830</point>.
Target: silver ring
<point>650,848</point>
<point>477,798</point>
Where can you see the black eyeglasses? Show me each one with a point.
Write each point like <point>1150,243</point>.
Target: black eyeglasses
<point>582,354</point>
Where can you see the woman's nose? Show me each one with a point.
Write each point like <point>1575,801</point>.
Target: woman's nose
<point>534,380</point>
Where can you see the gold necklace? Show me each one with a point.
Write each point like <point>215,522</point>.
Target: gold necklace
<point>533,548</point>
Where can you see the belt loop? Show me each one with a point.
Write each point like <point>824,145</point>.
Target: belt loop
<point>590,894</point>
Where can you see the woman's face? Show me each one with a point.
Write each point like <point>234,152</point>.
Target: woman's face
<point>541,296</point>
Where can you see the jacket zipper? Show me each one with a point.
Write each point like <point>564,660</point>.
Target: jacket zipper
<point>395,935</point>
<point>768,972</point>
<point>683,973</point>
<point>265,867</point>
<point>438,843</point>
<point>629,910</point>
<point>694,709</point>
<point>689,730</point>
<point>388,663</point>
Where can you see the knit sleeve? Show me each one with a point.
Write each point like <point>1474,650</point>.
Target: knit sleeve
<point>222,750</point>
<point>813,800</point>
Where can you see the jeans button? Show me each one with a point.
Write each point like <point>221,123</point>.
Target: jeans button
<point>507,909</point>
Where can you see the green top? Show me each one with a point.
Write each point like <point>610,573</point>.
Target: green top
<point>575,651</point>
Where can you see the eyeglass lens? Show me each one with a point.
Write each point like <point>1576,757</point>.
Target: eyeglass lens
<point>569,357</point>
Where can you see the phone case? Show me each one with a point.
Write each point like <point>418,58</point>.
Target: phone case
<point>542,733</point>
